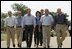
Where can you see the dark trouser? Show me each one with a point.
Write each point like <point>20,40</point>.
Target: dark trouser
<point>28,33</point>
<point>23,39</point>
<point>37,36</point>
<point>41,35</point>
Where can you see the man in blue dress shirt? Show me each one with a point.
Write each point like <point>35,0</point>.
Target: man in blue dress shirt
<point>28,24</point>
<point>19,32</point>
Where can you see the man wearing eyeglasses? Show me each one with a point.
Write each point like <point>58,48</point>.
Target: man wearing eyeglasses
<point>19,32</point>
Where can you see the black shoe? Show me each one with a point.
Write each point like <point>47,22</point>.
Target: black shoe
<point>52,36</point>
<point>40,44</point>
<point>58,46</point>
<point>28,47</point>
<point>48,46</point>
<point>61,44</point>
<point>19,45</point>
<point>7,47</point>
<point>14,45</point>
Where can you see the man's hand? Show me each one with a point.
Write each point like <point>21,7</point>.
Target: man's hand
<point>23,29</point>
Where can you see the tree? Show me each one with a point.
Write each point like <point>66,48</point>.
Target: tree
<point>2,24</point>
<point>15,14</point>
<point>53,13</point>
<point>3,15</point>
<point>17,7</point>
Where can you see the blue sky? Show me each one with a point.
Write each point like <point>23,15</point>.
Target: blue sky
<point>37,5</point>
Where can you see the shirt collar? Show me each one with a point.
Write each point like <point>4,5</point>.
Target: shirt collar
<point>19,16</point>
<point>37,16</point>
<point>47,15</point>
<point>28,15</point>
<point>60,14</point>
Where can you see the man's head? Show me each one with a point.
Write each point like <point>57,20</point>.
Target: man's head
<point>28,10</point>
<point>59,11</point>
<point>42,11</point>
<point>46,11</point>
<point>9,13</point>
<point>19,13</point>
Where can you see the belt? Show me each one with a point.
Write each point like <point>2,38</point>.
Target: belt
<point>28,25</point>
<point>60,23</point>
<point>46,25</point>
<point>11,26</point>
<point>18,26</point>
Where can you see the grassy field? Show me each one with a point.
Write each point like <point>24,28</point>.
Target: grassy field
<point>3,36</point>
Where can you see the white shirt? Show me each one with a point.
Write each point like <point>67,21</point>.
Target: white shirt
<point>10,21</point>
<point>46,20</point>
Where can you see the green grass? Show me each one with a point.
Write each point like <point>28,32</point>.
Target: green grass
<point>3,36</point>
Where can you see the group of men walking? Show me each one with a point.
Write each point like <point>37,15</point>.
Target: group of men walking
<point>39,25</point>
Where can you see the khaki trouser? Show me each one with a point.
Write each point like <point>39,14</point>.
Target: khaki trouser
<point>46,35</point>
<point>10,34</point>
<point>19,34</point>
<point>62,28</point>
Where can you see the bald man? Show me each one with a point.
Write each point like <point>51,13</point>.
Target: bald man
<point>46,21</point>
<point>42,12</point>
<point>10,26</point>
<point>60,26</point>
<point>29,23</point>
